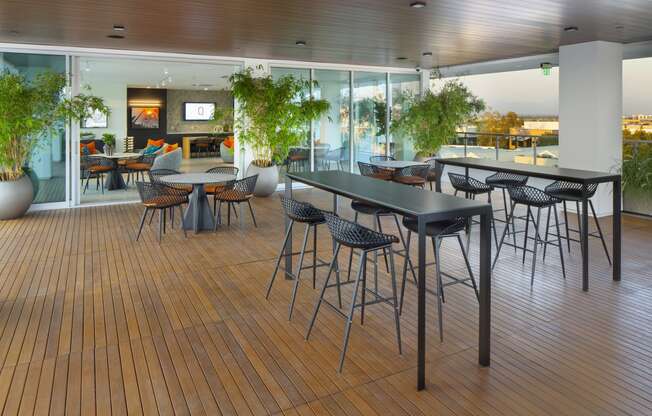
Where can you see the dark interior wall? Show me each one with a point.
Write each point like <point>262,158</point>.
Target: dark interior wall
<point>145,97</point>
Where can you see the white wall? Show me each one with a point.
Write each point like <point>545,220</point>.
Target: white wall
<point>590,111</point>
<point>114,94</point>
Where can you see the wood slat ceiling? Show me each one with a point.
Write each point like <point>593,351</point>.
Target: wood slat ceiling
<point>368,32</point>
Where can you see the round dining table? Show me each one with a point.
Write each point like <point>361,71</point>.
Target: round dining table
<point>198,215</point>
<point>114,179</point>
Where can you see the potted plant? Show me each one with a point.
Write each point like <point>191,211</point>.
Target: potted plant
<point>109,143</point>
<point>431,119</point>
<point>274,116</point>
<point>636,176</point>
<point>28,110</point>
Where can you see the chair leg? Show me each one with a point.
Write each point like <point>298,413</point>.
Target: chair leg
<point>468,266</point>
<point>228,214</point>
<point>314,256</point>
<point>440,291</point>
<point>525,239</point>
<point>507,220</point>
<point>579,225</point>
<point>152,217</point>
<point>536,244</point>
<point>278,259</point>
<point>251,210</point>
<point>160,224</point>
<point>397,320</point>
<point>185,234</point>
<point>561,250</point>
<point>404,279</point>
<point>380,229</point>
<point>295,288</point>
<point>566,225</point>
<point>349,320</point>
<point>323,290</point>
<point>142,222</point>
<point>493,220</point>
<point>364,292</point>
<point>545,244</point>
<point>348,276</point>
<point>502,239</point>
<point>407,258</point>
<point>597,225</point>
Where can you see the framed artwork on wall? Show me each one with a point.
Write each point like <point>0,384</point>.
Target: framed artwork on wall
<point>97,120</point>
<point>144,117</point>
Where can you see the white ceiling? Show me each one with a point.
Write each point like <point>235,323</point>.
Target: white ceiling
<point>142,73</point>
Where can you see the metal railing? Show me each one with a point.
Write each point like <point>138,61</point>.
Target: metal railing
<point>502,141</point>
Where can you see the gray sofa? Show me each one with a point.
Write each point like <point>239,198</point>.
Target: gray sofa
<point>170,160</point>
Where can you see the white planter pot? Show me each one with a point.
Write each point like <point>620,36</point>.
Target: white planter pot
<point>267,179</point>
<point>637,202</point>
<point>15,197</point>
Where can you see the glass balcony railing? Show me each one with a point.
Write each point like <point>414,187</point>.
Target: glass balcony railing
<point>528,149</point>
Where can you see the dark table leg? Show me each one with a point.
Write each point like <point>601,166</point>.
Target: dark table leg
<point>421,305</point>
<point>199,215</point>
<point>617,229</point>
<point>114,179</point>
<point>584,239</point>
<point>484,346</point>
<point>440,169</point>
<point>288,246</point>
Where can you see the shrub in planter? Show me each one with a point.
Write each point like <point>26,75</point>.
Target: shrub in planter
<point>28,110</point>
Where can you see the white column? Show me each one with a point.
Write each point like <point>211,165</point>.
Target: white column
<point>590,111</point>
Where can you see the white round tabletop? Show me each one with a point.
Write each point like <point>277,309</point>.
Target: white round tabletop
<point>396,164</point>
<point>117,155</point>
<point>198,178</point>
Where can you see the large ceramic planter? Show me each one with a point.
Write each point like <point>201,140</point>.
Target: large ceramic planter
<point>226,153</point>
<point>637,202</point>
<point>267,179</point>
<point>15,197</point>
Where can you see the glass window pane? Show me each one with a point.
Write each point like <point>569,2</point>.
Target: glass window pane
<point>331,132</point>
<point>299,157</point>
<point>402,87</point>
<point>370,115</point>
<point>48,160</point>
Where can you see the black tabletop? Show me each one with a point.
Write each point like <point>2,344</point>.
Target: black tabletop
<point>402,199</point>
<point>546,172</point>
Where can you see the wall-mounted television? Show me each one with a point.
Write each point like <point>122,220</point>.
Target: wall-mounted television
<point>145,117</point>
<point>198,111</point>
<point>97,120</point>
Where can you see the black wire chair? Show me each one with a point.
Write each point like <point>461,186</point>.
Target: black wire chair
<point>139,166</point>
<point>305,213</point>
<point>502,181</point>
<point>214,188</point>
<point>373,171</point>
<point>350,234</point>
<point>236,192</point>
<point>569,192</point>
<point>415,175</point>
<point>438,231</point>
<point>94,168</point>
<point>156,175</point>
<point>531,198</point>
<point>160,197</point>
<point>469,185</point>
<point>435,171</point>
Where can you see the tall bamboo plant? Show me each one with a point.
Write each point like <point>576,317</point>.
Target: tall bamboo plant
<point>431,119</point>
<point>274,115</point>
<point>29,110</point>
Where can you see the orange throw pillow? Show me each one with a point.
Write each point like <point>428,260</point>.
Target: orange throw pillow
<point>89,146</point>
<point>171,147</point>
<point>229,142</point>
<point>155,142</point>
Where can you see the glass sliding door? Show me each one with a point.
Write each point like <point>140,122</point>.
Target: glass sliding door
<point>402,86</point>
<point>299,158</point>
<point>331,135</point>
<point>370,116</point>
<point>47,163</point>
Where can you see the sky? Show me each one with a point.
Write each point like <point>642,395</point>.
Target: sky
<point>529,92</point>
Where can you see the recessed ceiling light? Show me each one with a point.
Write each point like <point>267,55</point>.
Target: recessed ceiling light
<point>115,36</point>
<point>571,29</point>
<point>300,43</point>
<point>118,28</point>
<point>401,58</point>
<point>427,54</point>
<point>418,5</point>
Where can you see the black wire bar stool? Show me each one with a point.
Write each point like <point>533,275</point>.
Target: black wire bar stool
<point>377,212</point>
<point>438,231</point>
<point>503,180</point>
<point>570,191</point>
<point>472,188</point>
<point>532,198</point>
<point>305,213</point>
<point>350,234</point>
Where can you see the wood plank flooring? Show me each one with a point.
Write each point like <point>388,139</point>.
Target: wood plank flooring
<point>93,322</point>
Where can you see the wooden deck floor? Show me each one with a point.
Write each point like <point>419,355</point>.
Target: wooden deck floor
<point>92,322</point>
